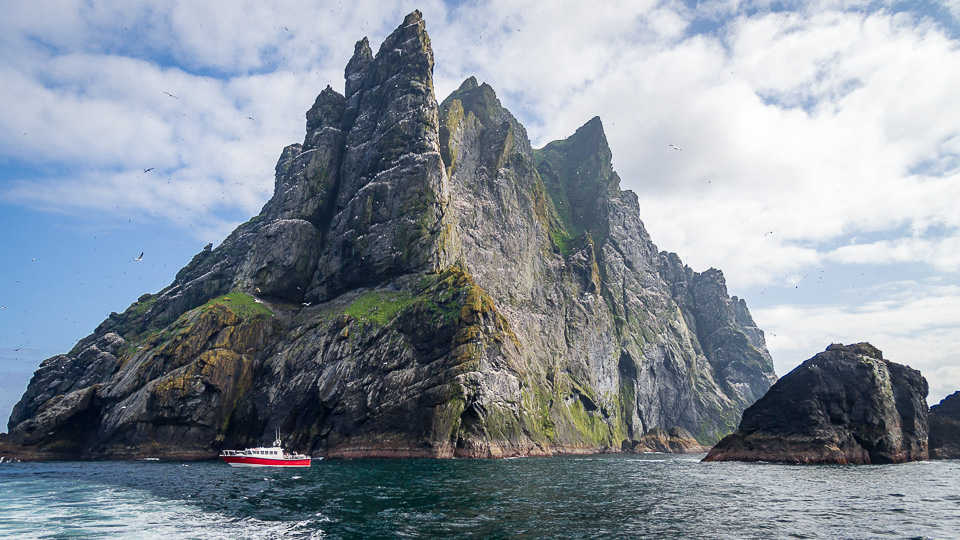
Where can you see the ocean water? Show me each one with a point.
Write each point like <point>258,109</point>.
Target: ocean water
<point>610,496</point>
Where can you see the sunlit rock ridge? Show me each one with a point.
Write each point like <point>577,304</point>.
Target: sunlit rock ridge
<point>422,283</point>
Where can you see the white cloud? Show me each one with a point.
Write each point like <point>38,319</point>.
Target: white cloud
<point>103,120</point>
<point>912,323</point>
<point>942,253</point>
<point>953,6</point>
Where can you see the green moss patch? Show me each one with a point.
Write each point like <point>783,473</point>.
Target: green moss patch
<point>243,305</point>
<point>562,240</point>
<point>378,307</point>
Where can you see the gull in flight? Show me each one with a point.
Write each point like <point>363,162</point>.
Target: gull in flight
<point>140,258</point>
<point>676,147</point>
<point>148,170</point>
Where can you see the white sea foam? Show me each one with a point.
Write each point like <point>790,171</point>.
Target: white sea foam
<point>109,512</point>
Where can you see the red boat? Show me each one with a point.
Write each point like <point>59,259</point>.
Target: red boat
<point>272,456</point>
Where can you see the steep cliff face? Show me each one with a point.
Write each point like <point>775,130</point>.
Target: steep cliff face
<point>422,283</point>
<point>845,405</point>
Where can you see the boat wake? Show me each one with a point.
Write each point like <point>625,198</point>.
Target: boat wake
<point>95,511</point>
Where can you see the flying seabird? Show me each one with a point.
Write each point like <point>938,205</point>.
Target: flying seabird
<point>675,147</point>
<point>171,95</point>
<point>140,258</point>
<point>148,170</point>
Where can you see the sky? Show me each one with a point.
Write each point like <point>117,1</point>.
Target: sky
<point>818,162</point>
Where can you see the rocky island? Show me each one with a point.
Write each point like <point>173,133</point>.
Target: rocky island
<point>422,282</point>
<point>944,420</point>
<point>845,405</point>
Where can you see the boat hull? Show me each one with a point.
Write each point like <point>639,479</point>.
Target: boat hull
<point>246,461</point>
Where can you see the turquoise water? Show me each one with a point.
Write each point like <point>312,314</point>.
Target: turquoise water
<point>615,496</point>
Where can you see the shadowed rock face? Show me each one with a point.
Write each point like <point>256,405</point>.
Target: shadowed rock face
<point>844,405</point>
<point>675,441</point>
<point>421,283</point>
<point>944,421</point>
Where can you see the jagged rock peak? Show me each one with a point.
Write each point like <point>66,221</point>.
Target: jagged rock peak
<point>482,101</point>
<point>469,84</point>
<point>588,142</point>
<point>357,66</point>
<point>591,133</point>
<point>578,173</point>
<point>327,111</point>
<point>390,189</point>
<point>499,131</point>
<point>409,42</point>
<point>403,64</point>
<point>413,18</point>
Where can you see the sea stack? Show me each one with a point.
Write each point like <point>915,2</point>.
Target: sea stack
<point>944,421</point>
<point>845,405</point>
<point>422,283</point>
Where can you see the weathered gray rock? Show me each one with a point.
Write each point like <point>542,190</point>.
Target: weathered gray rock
<point>944,420</point>
<point>675,441</point>
<point>422,283</point>
<point>391,188</point>
<point>844,405</point>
